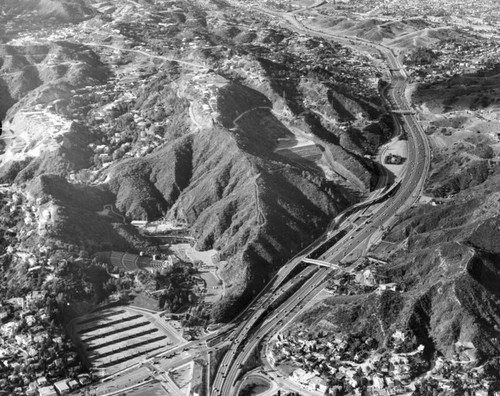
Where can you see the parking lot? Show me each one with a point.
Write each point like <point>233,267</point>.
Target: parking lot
<point>119,337</point>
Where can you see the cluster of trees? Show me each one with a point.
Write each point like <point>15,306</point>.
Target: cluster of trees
<point>82,280</point>
<point>421,56</point>
<point>176,284</point>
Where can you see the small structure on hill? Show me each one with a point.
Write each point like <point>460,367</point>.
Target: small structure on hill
<point>394,159</point>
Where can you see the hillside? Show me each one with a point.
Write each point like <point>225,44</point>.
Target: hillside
<point>458,238</point>
<point>444,262</point>
<point>373,29</point>
<point>168,121</point>
<point>69,214</point>
<point>62,10</point>
<point>44,141</point>
<point>460,118</point>
<point>237,195</point>
<point>442,255</point>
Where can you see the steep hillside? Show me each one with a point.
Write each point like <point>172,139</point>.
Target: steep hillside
<point>44,140</point>
<point>69,214</point>
<point>442,256</point>
<point>454,248</point>
<point>235,192</point>
<point>461,92</point>
<point>24,68</point>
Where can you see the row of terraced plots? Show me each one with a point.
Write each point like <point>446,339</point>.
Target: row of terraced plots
<point>116,338</point>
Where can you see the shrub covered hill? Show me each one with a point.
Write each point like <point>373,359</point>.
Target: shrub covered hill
<point>444,260</point>
<point>239,196</point>
<point>443,255</point>
<point>257,160</point>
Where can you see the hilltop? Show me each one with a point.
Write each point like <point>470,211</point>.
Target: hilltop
<point>62,10</point>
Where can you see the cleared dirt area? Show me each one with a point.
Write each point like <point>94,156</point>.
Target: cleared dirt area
<point>214,287</point>
<point>182,377</point>
<point>299,147</point>
<point>213,284</point>
<point>42,129</point>
<point>395,147</point>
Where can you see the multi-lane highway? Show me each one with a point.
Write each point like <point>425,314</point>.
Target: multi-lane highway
<point>251,331</point>
<point>262,305</point>
<point>243,346</point>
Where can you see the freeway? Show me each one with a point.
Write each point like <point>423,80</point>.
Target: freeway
<point>249,334</point>
<point>241,348</point>
<point>264,303</point>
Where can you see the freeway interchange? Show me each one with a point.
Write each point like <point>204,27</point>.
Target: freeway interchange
<point>259,320</point>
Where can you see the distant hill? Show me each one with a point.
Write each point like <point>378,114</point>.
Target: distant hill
<point>63,10</point>
<point>407,33</point>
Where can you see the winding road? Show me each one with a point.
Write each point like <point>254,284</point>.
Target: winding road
<point>154,56</point>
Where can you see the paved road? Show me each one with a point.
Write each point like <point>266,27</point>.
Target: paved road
<point>165,58</point>
<point>249,337</point>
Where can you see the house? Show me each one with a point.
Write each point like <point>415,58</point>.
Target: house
<point>30,320</point>
<point>35,295</point>
<point>9,329</point>
<point>73,384</point>
<point>318,384</point>
<point>47,391</point>
<point>84,379</point>
<point>62,387</point>
<point>298,374</point>
<point>378,382</point>
<point>394,159</point>
<point>22,340</point>
<point>40,337</point>
<point>4,316</point>
<point>302,376</point>
<point>32,387</point>
<point>41,381</point>
<point>387,286</point>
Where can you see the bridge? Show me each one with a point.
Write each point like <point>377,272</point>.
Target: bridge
<point>320,263</point>
<point>404,112</point>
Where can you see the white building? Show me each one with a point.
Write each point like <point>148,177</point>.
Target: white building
<point>47,391</point>
<point>62,387</point>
